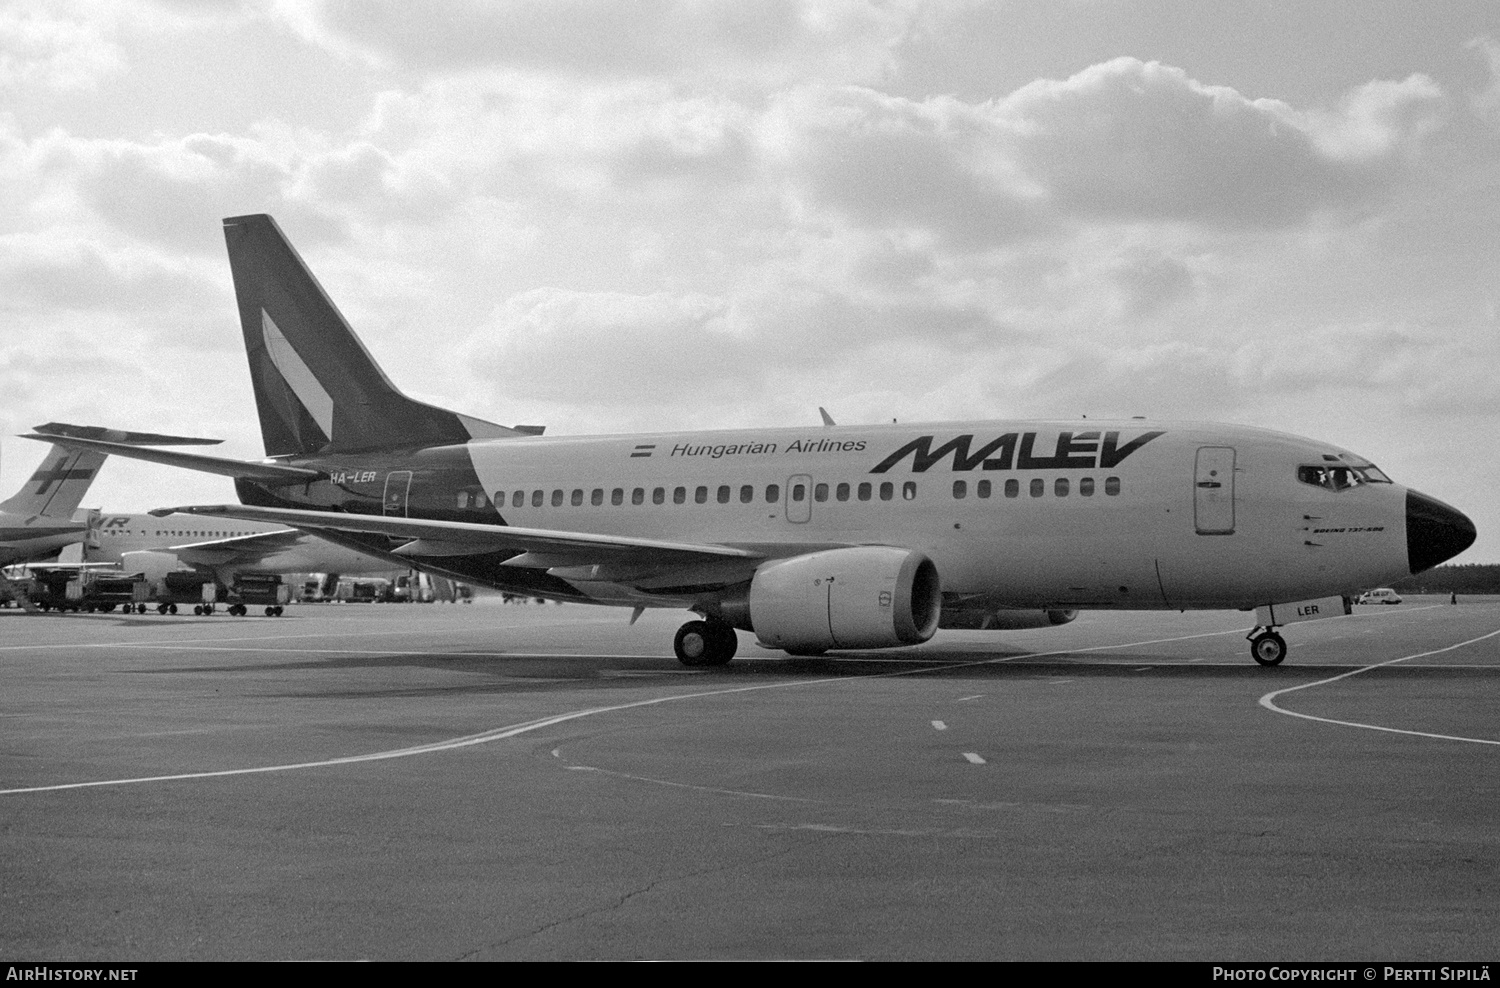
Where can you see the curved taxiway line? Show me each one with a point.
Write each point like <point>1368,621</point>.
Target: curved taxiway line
<point>1269,700</point>
<point>512,730</point>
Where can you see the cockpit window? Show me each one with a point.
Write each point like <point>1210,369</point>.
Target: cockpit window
<point>1341,478</point>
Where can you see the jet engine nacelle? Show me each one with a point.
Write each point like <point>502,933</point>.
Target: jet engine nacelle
<point>154,566</point>
<point>1004,619</point>
<point>860,597</point>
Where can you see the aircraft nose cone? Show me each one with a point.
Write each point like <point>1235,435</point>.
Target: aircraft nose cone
<point>1434,531</point>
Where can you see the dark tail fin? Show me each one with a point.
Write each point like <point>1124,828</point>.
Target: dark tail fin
<point>316,386</point>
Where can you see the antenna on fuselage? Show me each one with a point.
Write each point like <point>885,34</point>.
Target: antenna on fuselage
<point>827,419</point>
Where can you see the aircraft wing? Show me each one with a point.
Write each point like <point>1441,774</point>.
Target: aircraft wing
<point>582,555</point>
<point>265,472</point>
<point>237,549</point>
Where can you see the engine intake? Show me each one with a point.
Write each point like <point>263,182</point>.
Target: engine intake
<point>860,597</point>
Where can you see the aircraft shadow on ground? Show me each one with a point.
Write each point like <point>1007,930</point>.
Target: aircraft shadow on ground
<point>534,672</point>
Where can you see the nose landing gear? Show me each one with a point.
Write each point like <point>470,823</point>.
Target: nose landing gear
<point>1266,646</point>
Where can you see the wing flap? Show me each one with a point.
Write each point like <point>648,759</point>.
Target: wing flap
<point>453,538</point>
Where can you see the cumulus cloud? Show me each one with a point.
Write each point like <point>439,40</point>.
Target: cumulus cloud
<point>681,214</point>
<point>1486,101</point>
<point>54,46</point>
<point>1122,141</point>
<point>84,276</point>
<point>751,39</point>
<point>172,191</point>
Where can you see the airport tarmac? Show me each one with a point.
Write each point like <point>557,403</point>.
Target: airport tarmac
<point>500,782</point>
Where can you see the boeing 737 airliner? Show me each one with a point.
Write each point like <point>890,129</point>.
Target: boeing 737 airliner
<point>837,537</point>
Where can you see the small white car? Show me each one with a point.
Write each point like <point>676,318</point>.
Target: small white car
<point>1380,595</point>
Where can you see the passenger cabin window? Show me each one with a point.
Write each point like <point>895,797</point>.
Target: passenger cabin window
<point>960,489</point>
<point>1012,488</point>
<point>723,494</point>
<point>679,495</point>
<point>1112,486</point>
<point>658,495</point>
<point>747,493</point>
<point>617,496</point>
<point>1086,486</point>
<point>557,498</point>
<point>773,493</point>
<point>700,496</point>
<point>1061,487</point>
<point>799,492</point>
<point>864,492</point>
<point>887,490</point>
<point>597,497</point>
<point>577,497</point>
<point>982,488</point>
<point>820,492</point>
<point>536,498</point>
<point>841,492</point>
<point>909,490</point>
<point>638,496</point>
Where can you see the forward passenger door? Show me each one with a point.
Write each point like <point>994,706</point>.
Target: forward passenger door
<point>1213,491</point>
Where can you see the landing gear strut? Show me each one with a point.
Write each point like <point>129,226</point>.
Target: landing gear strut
<point>1267,647</point>
<point>705,643</point>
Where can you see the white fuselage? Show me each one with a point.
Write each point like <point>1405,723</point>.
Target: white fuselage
<point>1019,514</point>
<point>24,538</point>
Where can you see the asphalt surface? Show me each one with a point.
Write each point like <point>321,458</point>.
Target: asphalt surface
<point>498,782</point>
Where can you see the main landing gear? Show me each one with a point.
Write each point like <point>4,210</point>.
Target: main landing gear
<point>1266,646</point>
<point>705,643</point>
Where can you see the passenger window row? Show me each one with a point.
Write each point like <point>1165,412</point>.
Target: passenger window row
<point>723,494</point>
<point>1061,487</point>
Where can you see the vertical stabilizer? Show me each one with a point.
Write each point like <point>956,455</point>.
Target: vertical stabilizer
<point>58,486</point>
<point>316,386</point>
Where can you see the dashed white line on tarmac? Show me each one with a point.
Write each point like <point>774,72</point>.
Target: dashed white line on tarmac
<point>688,785</point>
<point>512,730</point>
<point>939,725</point>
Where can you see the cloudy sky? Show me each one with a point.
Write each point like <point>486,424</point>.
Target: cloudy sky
<point>665,214</point>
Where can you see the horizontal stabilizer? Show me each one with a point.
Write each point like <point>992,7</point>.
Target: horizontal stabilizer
<point>99,432</point>
<point>268,473</point>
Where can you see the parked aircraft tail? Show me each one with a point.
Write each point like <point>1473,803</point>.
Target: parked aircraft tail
<point>59,484</point>
<point>317,388</point>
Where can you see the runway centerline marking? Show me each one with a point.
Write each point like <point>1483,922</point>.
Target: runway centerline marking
<point>974,758</point>
<point>689,785</point>
<point>1269,700</point>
